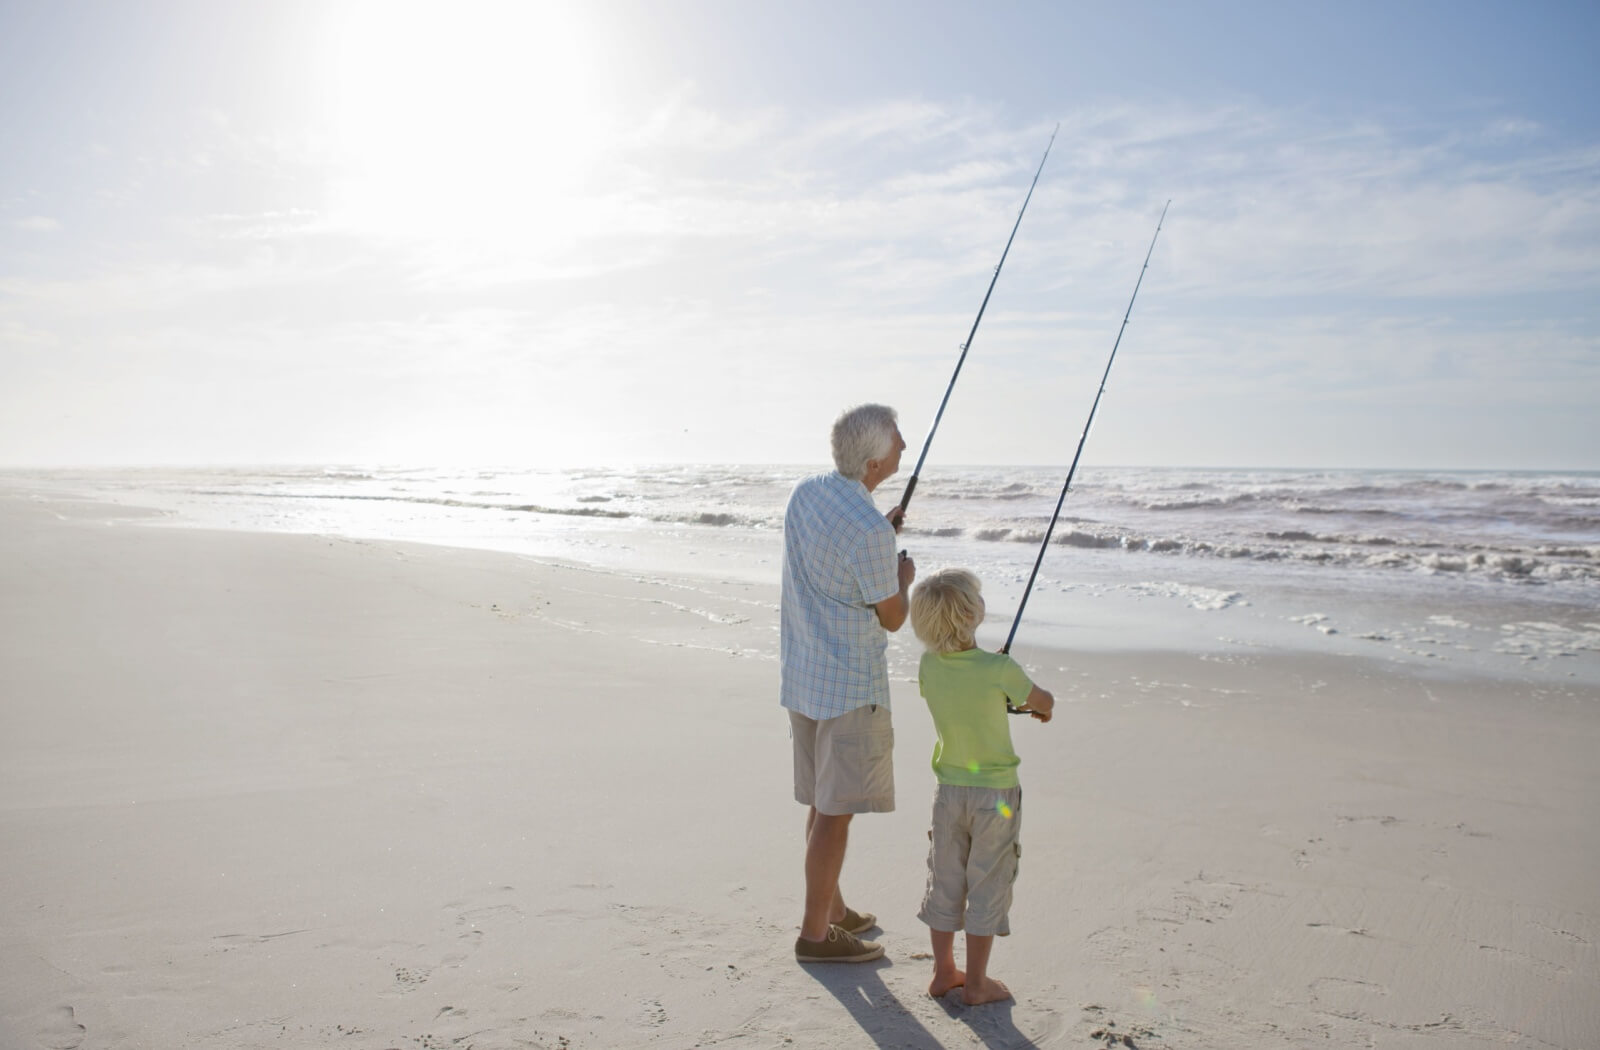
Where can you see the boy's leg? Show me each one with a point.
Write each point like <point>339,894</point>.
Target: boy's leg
<point>992,862</point>
<point>980,987</point>
<point>945,974</point>
<point>944,900</point>
<point>991,873</point>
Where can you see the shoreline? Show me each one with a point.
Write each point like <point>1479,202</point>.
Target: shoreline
<point>1087,602</point>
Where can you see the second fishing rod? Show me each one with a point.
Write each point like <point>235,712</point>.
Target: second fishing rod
<point>1022,603</point>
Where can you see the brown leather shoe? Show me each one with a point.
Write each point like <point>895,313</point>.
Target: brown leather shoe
<point>857,922</point>
<point>840,947</point>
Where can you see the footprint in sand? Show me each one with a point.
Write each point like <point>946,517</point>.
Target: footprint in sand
<point>1109,944</point>
<point>1201,899</point>
<point>472,919</point>
<point>649,1014</point>
<point>1310,853</point>
<point>476,917</point>
<point>557,1018</point>
<point>1549,971</point>
<point>61,1030</point>
<point>1107,1033</point>
<point>699,943</point>
<point>409,980</point>
<point>1563,934</point>
<point>1346,997</point>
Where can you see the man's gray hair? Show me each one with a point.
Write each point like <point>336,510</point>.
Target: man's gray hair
<point>862,433</point>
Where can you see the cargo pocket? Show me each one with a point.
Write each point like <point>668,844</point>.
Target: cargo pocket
<point>869,760</point>
<point>1016,846</point>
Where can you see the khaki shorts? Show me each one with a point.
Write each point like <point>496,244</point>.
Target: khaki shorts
<point>974,852</point>
<point>845,764</point>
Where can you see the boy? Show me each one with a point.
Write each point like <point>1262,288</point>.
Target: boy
<point>977,808</point>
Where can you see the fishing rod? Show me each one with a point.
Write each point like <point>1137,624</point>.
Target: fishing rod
<point>1084,437</point>
<point>911,486</point>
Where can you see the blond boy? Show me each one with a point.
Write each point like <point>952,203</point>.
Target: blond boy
<point>977,807</point>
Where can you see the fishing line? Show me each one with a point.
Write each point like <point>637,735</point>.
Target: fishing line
<point>911,485</point>
<point>1023,603</point>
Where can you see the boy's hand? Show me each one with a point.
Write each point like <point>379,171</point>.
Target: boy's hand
<point>1041,704</point>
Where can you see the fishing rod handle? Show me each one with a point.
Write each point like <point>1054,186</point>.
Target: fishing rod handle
<point>905,500</point>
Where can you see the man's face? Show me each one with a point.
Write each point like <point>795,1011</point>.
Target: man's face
<point>891,463</point>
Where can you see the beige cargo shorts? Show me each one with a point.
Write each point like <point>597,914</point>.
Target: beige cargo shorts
<point>845,764</point>
<point>974,851</point>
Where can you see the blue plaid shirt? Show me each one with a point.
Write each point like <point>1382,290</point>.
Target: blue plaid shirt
<point>838,562</point>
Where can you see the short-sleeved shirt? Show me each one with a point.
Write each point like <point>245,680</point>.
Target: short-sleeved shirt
<point>838,562</point>
<point>966,694</point>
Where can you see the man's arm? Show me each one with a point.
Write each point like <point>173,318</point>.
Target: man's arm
<point>892,611</point>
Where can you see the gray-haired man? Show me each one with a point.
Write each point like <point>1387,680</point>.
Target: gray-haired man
<point>843,589</point>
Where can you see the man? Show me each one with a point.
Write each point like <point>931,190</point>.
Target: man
<point>843,589</point>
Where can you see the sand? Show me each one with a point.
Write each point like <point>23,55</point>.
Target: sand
<point>294,791</point>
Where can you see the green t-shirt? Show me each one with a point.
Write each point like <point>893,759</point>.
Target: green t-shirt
<point>966,694</point>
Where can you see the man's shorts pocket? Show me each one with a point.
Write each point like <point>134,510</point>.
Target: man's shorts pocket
<point>855,762</point>
<point>866,767</point>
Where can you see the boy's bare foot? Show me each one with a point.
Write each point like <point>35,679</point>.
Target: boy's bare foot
<point>990,991</point>
<point>945,980</point>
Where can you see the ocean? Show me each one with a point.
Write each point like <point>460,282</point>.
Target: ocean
<point>1497,568</point>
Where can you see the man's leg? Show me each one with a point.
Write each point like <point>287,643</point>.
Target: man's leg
<point>826,838</point>
<point>837,909</point>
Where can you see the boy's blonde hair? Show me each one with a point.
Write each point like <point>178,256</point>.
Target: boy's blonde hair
<point>946,609</point>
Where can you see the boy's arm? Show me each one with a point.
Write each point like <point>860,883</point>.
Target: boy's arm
<point>1014,679</point>
<point>1040,704</point>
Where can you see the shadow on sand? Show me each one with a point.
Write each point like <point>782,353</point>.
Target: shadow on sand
<point>880,1013</point>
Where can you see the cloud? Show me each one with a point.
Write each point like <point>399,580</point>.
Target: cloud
<point>1267,203</point>
<point>913,200</point>
<point>37,224</point>
<point>908,196</point>
<point>733,266</point>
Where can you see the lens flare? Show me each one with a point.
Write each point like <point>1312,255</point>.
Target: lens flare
<point>1001,808</point>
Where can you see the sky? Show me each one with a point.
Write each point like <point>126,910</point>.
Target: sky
<point>548,234</point>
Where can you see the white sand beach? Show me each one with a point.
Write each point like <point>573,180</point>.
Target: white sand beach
<point>295,791</point>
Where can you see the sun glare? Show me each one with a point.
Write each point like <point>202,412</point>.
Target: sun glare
<point>472,121</point>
